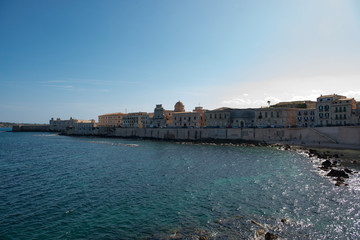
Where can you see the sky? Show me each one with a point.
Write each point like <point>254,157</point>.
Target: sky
<point>82,58</point>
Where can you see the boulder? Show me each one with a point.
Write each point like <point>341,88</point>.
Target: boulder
<point>269,236</point>
<point>337,173</point>
<point>326,164</point>
<point>348,170</point>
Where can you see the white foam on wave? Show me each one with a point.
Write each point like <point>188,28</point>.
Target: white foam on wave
<point>46,135</point>
<point>115,144</point>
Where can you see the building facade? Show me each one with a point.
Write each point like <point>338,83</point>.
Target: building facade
<point>111,119</point>
<point>275,117</point>
<point>242,118</point>
<point>306,117</point>
<point>218,118</point>
<point>131,120</point>
<point>59,125</point>
<point>343,112</point>
<point>194,119</point>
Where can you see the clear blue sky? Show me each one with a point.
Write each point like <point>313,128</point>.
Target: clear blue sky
<point>85,58</point>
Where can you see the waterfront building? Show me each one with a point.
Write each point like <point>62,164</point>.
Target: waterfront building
<point>343,112</point>
<point>306,117</point>
<point>195,119</point>
<point>242,118</point>
<point>158,120</point>
<point>111,119</point>
<point>275,117</point>
<point>146,120</point>
<point>131,120</point>
<point>218,118</point>
<point>59,125</point>
<point>332,110</point>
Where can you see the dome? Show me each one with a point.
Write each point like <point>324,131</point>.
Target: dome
<point>179,107</point>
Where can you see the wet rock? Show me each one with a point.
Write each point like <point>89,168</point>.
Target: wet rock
<point>284,220</point>
<point>354,161</point>
<point>337,173</point>
<point>269,236</point>
<point>348,170</point>
<point>340,179</point>
<point>326,164</point>
<point>336,155</point>
<point>312,151</point>
<point>287,147</point>
<point>340,184</point>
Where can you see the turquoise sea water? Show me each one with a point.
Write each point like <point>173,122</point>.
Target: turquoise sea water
<point>59,187</point>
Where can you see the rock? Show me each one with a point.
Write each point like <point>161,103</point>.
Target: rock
<point>284,220</point>
<point>336,155</point>
<point>340,179</point>
<point>348,170</point>
<point>340,184</point>
<point>269,236</point>
<point>312,151</point>
<point>354,161</point>
<point>337,173</point>
<point>326,164</point>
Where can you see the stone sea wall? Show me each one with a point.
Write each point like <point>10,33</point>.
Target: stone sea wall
<point>332,137</point>
<point>31,128</point>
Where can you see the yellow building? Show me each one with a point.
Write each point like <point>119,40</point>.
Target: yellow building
<point>111,119</point>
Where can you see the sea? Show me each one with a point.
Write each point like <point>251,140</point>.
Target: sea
<point>61,187</point>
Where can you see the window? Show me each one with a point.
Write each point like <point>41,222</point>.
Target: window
<point>277,114</point>
<point>299,113</point>
<point>326,115</point>
<point>326,107</point>
<point>320,115</point>
<point>321,108</point>
<point>210,115</point>
<point>336,117</point>
<point>336,109</point>
<point>344,109</point>
<point>272,114</point>
<point>344,116</point>
<point>299,118</point>
<point>266,114</point>
<point>312,113</point>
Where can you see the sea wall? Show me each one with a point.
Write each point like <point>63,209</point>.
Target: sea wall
<point>334,137</point>
<point>347,137</point>
<point>31,128</point>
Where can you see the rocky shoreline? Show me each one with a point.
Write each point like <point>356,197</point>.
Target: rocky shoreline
<point>334,163</point>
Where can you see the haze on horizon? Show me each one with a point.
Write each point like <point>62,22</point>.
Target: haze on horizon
<point>85,58</point>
